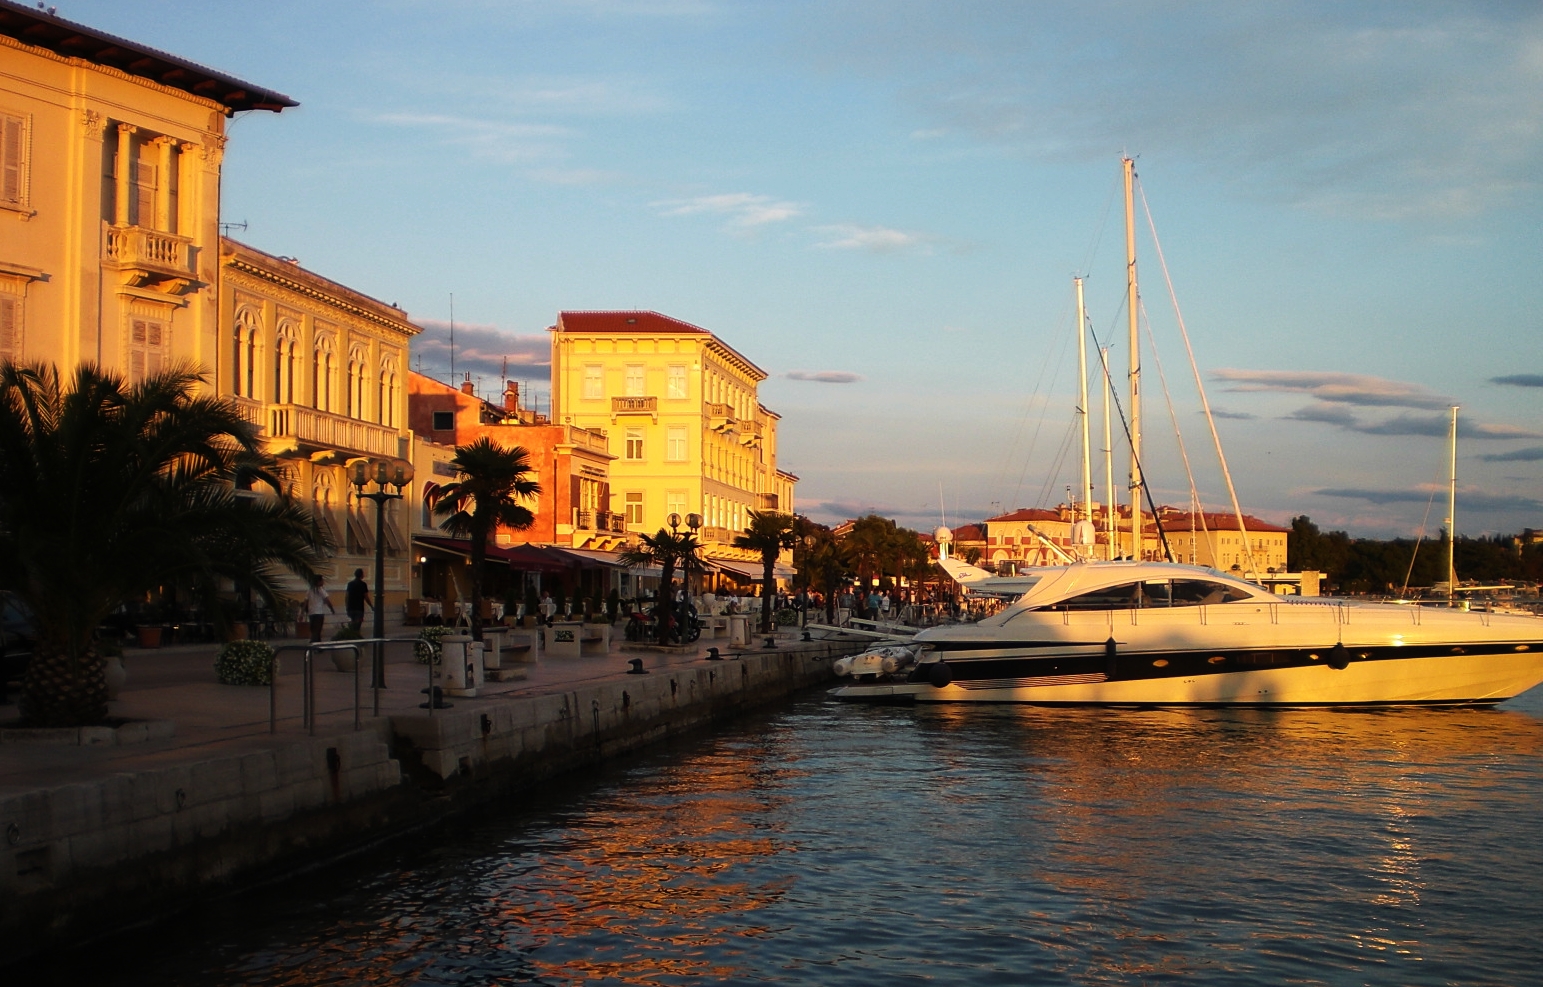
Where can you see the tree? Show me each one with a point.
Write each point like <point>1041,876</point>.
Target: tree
<point>110,491</point>
<point>667,550</point>
<point>820,562</point>
<point>770,533</point>
<point>493,481</point>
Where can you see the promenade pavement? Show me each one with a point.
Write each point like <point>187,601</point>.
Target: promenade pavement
<point>178,684</point>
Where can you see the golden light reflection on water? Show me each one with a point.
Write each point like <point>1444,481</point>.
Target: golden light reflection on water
<point>834,844</point>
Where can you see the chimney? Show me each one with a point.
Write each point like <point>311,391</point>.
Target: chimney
<point>467,387</point>
<point>511,397</point>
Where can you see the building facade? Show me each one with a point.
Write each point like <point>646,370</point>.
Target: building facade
<point>680,412</point>
<point>572,464</point>
<point>321,369</point>
<point>110,157</point>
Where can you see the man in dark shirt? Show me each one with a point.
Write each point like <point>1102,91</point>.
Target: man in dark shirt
<point>357,598</point>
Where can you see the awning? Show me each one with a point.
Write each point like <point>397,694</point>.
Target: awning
<point>364,537</point>
<point>752,571</point>
<point>531,558</point>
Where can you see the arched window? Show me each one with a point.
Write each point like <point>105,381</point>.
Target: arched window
<point>323,363</point>
<point>285,340</point>
<point>358,377</point>
<point>244,366</point>
<point>387,393</point>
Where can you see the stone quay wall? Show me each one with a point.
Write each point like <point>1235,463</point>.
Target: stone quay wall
<point>94,858</point>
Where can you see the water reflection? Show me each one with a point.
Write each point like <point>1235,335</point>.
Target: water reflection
<point>837,844</point>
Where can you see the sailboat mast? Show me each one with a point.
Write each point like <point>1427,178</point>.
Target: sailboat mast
<point>1452,516</point>
<point>1132,304</point>
<point>1082,406</point>
<point>1111,532</point>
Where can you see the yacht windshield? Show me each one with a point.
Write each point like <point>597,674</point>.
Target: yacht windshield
<point>1153,593</point>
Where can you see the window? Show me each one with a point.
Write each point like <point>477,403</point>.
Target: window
<point>634,380</point>
<point>144,191</point>
<point>321,374</point>
<point>594,381</point>
<point>358,379</point>
<point>444,421</point>
<point>634,449</point>
<point>675,503</point>
<point>147,348</point>
<point>675,444</point>
<point>10,328</point>
<point>13,174</point>
<point>284,343</point>
<point>676,387</point>
<point>635,507</point>
<point>244,364</point>
<point>386,403</point>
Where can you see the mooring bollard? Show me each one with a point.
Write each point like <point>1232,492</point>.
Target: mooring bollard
<point>637,667</point>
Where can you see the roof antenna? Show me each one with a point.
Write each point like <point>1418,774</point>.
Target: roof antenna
<point>452,338</point>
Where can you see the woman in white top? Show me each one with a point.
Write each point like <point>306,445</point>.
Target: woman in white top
<point>316,599</point>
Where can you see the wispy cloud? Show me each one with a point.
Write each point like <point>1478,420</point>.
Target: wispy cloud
<point>1342,388</point>
<point>1468,500</point>
<point>824,376</point>
<point>873,239</point>
<point>497,140</point>
<point>482,349</point>
<point>1532,454</point>
<point>1428,113</point>
<point>1519,380</point>
<point>745,210</point>
<point>1241,416</point>
<point>1433,426</point>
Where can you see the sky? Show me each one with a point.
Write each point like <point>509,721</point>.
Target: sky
<point>883,204</point>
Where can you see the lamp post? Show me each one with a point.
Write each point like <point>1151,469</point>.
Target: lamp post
<point>396,473</point>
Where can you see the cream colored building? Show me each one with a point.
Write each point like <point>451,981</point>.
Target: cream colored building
<point>110,157</point>
<point>321,369</point>
<point>1026,536</point>
<point>680,411</point>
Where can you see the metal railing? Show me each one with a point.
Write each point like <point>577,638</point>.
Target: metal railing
<point>308,678</point>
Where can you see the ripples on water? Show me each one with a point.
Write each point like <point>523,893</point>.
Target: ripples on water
<point>834,844</point>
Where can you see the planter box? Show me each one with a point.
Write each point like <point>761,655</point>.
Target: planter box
<point>149,637</point>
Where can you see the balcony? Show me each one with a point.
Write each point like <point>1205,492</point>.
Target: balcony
<point>635,406</point>
<point>308,430</point>
<point>163,262</point>
<point>768,502</point>
<point>250,410</point>
<point>583,520</point>
<point>750,433</point>
<point>720,417</point>
<point>720,536</point>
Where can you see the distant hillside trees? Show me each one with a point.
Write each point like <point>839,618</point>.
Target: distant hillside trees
<point>1367,565</point>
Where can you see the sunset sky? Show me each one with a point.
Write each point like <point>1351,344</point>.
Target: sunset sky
<point>884,203</point>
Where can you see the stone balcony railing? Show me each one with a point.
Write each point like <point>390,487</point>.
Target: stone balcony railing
<point>634,405</point>
<point>308,428</point>
<point>250,409</point>
<point>151,259</point>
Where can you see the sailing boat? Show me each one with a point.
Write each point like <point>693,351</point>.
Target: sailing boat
<point>1145,633</point>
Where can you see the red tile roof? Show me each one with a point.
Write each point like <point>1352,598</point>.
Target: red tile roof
<point>969,532</point>
<point>1176,519</point>
<point>607,322</point>
<point>1027,514</point>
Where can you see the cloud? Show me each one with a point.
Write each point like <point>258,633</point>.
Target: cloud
<point>1389,111</point>
<point>1329,414</point>
<point>501,141</point>
<point>481,349</point>
<point>1467,500</point>
<point>1532,454</point>
<point>1431,426</point>
<point>873,239</point>
<point>1241,416</point>
<point>824,376</point>
<point>745,210</point>
<point>1519,380</point>
<point>1343,388</point>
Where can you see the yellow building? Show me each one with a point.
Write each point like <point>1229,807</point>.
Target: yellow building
<point>1038,536</point>
<point>110,157</point>
<point>321,369</point>
<point>680,411</point>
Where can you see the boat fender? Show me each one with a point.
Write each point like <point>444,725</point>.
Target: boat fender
<point>939,675</point>
<point>1111,651</point>
<point>1339,657</point>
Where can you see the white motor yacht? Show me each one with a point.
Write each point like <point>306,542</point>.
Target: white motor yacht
<point>1161,634</point>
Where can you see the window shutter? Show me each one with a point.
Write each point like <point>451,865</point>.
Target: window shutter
<point>10,160</point>
<point>144,193</point>
<point>10,330</point>
<point>137,365</point>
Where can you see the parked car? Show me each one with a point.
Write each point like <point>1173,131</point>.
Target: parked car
<point>17,634</point>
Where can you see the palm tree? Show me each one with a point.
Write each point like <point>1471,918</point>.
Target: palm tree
<point>110,491</point>
<point>494,479</point>
<point>770,533</point>
<point>821,563</point>
<point>665,549</point>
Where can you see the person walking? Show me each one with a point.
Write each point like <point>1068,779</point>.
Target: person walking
<point>315,599</point>
<point>356,596</point>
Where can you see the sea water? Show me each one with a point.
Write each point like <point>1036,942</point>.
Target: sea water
<point>824,843</point>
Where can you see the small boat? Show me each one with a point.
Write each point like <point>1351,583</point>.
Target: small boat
<point>1163,634</point>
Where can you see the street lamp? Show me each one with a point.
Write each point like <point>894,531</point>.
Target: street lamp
<point>397,473</point>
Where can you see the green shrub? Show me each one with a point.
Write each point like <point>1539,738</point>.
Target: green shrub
<point>427,649</point>
<point>786,617</point>
<point>245,663</point>
<point>347,632</point>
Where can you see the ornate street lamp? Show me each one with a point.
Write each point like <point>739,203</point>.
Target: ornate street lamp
<point>397,473</point>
